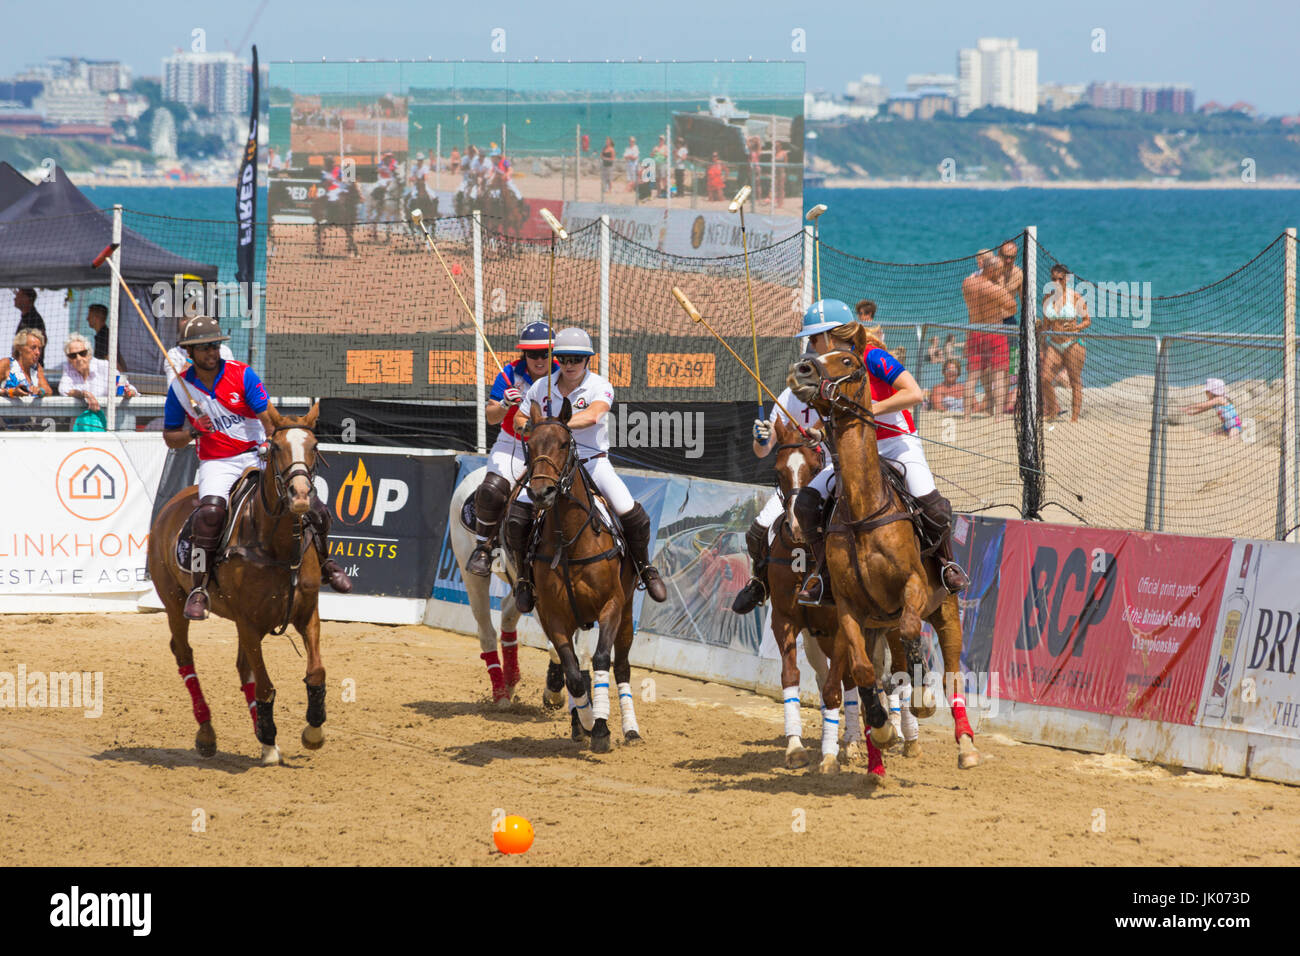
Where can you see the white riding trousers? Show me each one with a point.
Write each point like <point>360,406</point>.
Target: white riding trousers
<point>904,454</point>
<point>218,475</point>
<point>609,484</point>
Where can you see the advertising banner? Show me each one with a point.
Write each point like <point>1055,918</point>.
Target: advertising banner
<point>1111,622</point>
<point>389,516</point>
<point>79,516</point>
<point>1251,681</point>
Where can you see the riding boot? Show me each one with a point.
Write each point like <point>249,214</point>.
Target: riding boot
<point>938,511</point>
<point>209,520</point>
<point>755,592</point>
<point>330,571</point>
<point>808,513</point>
<point>489,504</point>
<point>636,527</point>
<point>519,523</point>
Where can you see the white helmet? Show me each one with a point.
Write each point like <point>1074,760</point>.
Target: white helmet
<point>572,342</point>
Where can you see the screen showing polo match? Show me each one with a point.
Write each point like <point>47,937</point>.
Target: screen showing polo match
<point>407,208</point>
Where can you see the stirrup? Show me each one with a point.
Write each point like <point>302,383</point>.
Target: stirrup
<point>814,599</point>
<point>947,566</point>
<point>480,560</point>
<point>200,591</point>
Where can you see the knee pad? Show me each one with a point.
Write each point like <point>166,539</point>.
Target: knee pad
<point>636,520</point>
<point>756,538</point>
<point>937,506</point>
<point>209,518</point>
<point>491,497</point>
<point>518,523</point>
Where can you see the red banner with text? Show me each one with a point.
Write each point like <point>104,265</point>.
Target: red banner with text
<point>1112,622</point>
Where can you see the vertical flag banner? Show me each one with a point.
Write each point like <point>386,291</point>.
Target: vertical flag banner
<point>246,202</point>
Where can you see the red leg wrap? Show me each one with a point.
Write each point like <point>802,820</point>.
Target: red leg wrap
<point>510,657</point>
<point>875,759</point>
<point>201,713</point>
<point>250,695</point>
<point>960,724</point>
<point>494,674</point>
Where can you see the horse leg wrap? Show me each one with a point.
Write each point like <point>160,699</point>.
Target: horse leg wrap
<point>875,759</point>
<point>599,692</point>
<point>510,657</point>
<point>250,695</point>
<point>896,712</point>
<point>908,728</point>
<point>266,721</point>
<point>580,703</point>
<point>626,710</point>
<point>315,703</point>
<point>960,722</point>
<point>494,674</point>
<point>830,731</point>
<point>201,712</point>
<point>852,716</point>
<point>793,722</point>
<point>876,715</point>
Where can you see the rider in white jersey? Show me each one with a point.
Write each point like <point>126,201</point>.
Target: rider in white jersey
<point>755,592</point>
<point>590,397</point>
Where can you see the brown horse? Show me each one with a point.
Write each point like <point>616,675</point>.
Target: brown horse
<point>798,460</point>
<point>883,587</point>
<point>269,578</point>
<point>581,576</point>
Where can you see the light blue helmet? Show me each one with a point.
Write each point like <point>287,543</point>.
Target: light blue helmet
<point>824,315</point>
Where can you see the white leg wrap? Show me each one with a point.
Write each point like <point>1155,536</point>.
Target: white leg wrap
<point>830,731</point>
<point>852,716</point>
<point>600,695</point>
<point>793,723</point>
<point>583,705</point>
<point>626,710</point>
<point>895,713</point>
<point>909,727</point>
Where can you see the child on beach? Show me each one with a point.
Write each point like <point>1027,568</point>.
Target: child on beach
<point>1216,397</point>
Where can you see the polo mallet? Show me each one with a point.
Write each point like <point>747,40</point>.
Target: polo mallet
<point>738,205</point>
<point>106,256</point>
<point>557,229</point>
<point>417,217</point>
<point>814,214</point>
<point>694,313</point>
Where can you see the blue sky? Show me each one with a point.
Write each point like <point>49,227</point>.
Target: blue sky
<point>1227,50</point>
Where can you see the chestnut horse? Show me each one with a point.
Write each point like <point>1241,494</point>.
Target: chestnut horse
<point>581,576</point>
<point>798,460</point>
<point>268,578</point>
<point>883,587</point>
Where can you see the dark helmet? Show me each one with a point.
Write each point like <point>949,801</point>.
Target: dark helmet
<point>201,329</point>
<point>535,336</point>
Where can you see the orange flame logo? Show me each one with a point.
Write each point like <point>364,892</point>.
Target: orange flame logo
<point>356,496</point>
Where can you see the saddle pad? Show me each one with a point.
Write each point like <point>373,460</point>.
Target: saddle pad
<point>184,543</point>
<point>468,516</point>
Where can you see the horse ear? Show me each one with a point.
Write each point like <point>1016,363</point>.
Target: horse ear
<point>310,419</point>
<point>782,430</point>
<point>276,419</point>
<point>534,414</point>
<point>566,411</point>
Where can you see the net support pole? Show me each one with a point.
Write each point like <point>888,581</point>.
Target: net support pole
<point>807,298</point>
<point>1289,490</point>
<point>668,170</point>
<point>114,299</point>
<point>1158,399</point>
<point>771,187</point>
<point>480,389</point>
<point>577,162</point>
<point>605,370</point>
<point>1028,409</point>
<point>437,165</point>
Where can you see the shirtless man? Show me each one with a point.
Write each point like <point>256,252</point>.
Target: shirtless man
<point>988,302</point>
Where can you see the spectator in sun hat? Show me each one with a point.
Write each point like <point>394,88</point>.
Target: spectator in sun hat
<point>1216,397</point>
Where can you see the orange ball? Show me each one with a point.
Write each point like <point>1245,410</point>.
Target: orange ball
<point>515,835</point>
<point>455,269</point>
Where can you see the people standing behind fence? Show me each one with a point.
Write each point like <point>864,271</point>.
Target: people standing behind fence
<point>987,353</point>
<point>180,357</point>
<point>88,379</point>
<point>754,147</point>
<point>1216,397</point>
<point>660,156</point>
<point>631,156</point>
<point>608,153</point>
<point>679,171</point>
<point>1064,310</point>
<point>22,372</point>
<point>781,157</point>
<point>97,319</point>
<point>29,318</point>
<point>716,179</point>
<point>950,394</point>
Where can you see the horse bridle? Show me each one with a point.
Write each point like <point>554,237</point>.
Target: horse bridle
<point>803,443</point>
<point>829,390</point>
<point>284,476</point>
<point>564,475</point>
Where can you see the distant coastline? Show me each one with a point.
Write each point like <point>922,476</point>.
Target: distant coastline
<point>840,182</point>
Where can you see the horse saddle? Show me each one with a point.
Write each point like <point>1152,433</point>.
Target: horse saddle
<point>245,486</point>
<point>604,516</point>
<point>927,533</point>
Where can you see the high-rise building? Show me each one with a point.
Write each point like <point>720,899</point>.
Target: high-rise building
<point>1143,97</point>
<point>217,81</point>
<point>1060,96</point>
<point>997,73</point>
<point>71,100</point>
<point>944,82</point>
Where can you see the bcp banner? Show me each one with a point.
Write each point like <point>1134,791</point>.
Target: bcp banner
<point>1251,683</point>
<point>1112,622</point>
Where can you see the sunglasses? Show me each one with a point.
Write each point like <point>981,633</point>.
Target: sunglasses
<point>571,359</point>
<point>82,354</point>
<point>206,347</point>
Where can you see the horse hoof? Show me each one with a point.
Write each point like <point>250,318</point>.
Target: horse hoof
<point>270,755</point>
<point>911,748</point>
<point>924,713</point>
<point>205,741</point>
<point>967,755</point>
<point>633,739</point>
<point>552,699</point>
<point>576,733</point>
<point>829,764</point>
<point>512,693</point>
<point>503,703</point>
<point>882,737</point>
<point>853,752</point>
<point>600,743</point>
<point>797,758</point>
<point>313,738</point>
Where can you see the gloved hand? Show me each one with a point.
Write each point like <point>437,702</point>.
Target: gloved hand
<point>203,425</point>
<point>264,450</point>
<point>815,435</point>
<point>513,396</point>
<point>762,430</point>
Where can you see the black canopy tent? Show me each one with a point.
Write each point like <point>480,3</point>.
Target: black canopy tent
<point>13,185</point>
<point>51,233</point>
